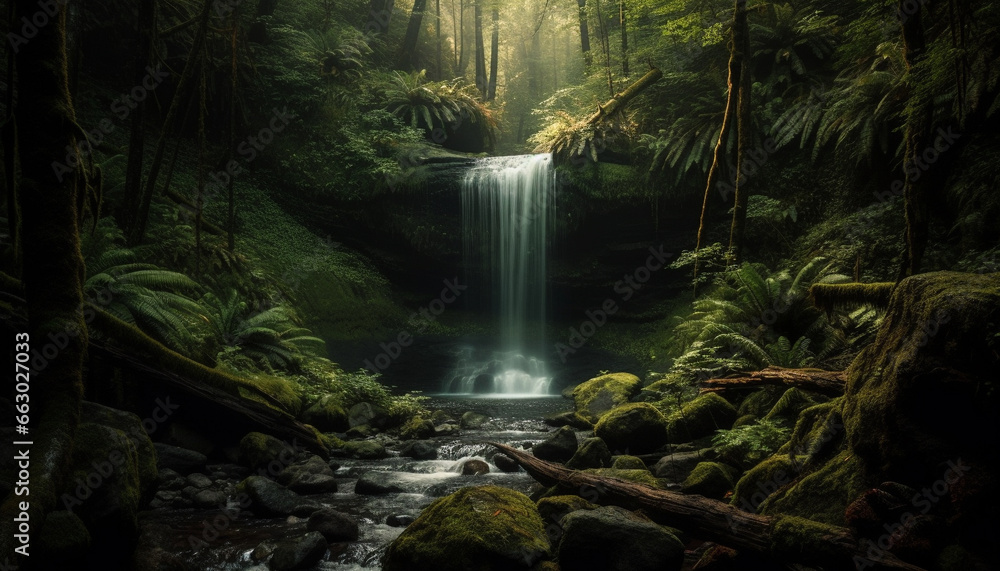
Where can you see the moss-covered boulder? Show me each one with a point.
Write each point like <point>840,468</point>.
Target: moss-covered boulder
<point>554,508</point>
<point>763,480</point>
<point>759,402</point>
<point>417,428</point>
<point>676,467</point>
<point>701,417</point>
<point>558,446</point>
<point>568,418</point>
<point>131,425</point>
<point>593,453</point>
<point>365,449</point>
<point>299,553</point>
<point>824,494</point>
<point>597,396</point>
<point>327,414</point>
<point>614,539</point>
<point>475,529</point>
<point>271,499</point>
<point>635,427</point>
<point>626,462</point>
<point>710,479</point>
<point>261,451</point>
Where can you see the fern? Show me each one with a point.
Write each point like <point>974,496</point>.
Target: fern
<point>749,445</point>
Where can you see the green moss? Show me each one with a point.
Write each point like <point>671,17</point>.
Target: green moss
<point>763,480</point>
<point>759,403</point>
<point>822,495</point>
<point>745,420</point>
<point>554,508</point>
<point>788,407</point>
<point>474,529</point>
<point>635,427</point>
<point>257,449</point>
<point>801,539</point>
<point>701,417</point>
<point>818,428</point>
<point>637,476</point>
<point>626,462</point>
<point>327,414</point>
<point>417,428</point>
<point>365,449</point>
<point>112,505</point>
<point>595,397</point>
<point>710,479</point>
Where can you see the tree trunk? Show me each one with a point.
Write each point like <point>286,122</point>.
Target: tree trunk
<point>605,47</point>
<point>133,169</point>
<point>624,25</point>
<point>480,54</point>
<point>408,56</point>
<point>588,60</point>
<point>832,383</point>
<point>620,100</point>
<point>437,30</point>
<point>491,91</point>
<point>707,519</point>
<point>918,127</point>
<point>137,230</point>
<point>53,271</point>
<point>741,42</point>
<point>734,80</point>
<point>463,55</point>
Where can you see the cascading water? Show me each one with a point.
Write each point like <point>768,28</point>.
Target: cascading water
<point>507,207</point>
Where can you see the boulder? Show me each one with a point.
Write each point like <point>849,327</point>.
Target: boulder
<point>327,415</point>
<point>441,417</point>
<point>333,525</point>
<point>419,450</point>
<point>475,467</point>
<point>180,460</point>
<point>701,417</point>
<point>367,413</point>
<point>710,479</point>
<point>447,429</point>
<point>474,529</point>
<point>260,451</point>
<point>417,428</point>
<point>198,480</point>
<point>300,553</point>
<point>613,539</point>
<point>625,462</point>
<point>132,426</point>
<point>506,463</point>
<point>558,447</point>
<point>209,499</point>
<point>269,498</point>
<point>595,397</point>
<point>399,520</point>
<point>593,453</point>
<point>568,418</point>
<point>312,476</point>
<point>554,508</point>
<point>473,420</point>
<point>633,428</point>
<point>676,467</point>
<point>376,482</point>
<point>366,450</point>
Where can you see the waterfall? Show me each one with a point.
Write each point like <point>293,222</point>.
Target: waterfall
<point>507,208</point>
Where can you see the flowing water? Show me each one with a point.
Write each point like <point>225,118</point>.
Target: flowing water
<point>508,204</point>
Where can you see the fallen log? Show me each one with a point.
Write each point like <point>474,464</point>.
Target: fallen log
<point>622,98</point>
<point>708,519</point>
<point>830,383</point>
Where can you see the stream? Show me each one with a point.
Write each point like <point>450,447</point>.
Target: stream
<point>514,421</point>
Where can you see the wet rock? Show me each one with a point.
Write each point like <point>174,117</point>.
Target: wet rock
<point>151,553</point>
<point>207,499</point>
<point>676,467</point>
<point>367,413</point>
<point>417,428</point>
<point>260,451</point>
<point>366,450</point>
<point>568,418</point>
<point>419,450</point>
<point>700,418</point>
<point>300,553</point>
<point>199,480</point>
<point>710,479</point>
<point>555,508</point>
<point>312,476</point>
<point>469,528</point>
<point>475,468</point>
<point>598,395</point>
<point>168,479</point>
<point>327,415</point>
<point>613,539</point>
<point>269,498</point>
<point>625,462</point>
<point>558,447</point>
<point>180,460</point>
<point>401,520</point>
<point>593,453</point>
<point>506,463</point>
<point>633,428</point>
<point>361,432</point>
<point>441,417</point>
<point>449,429</point>
<point>471,420</point>
<point>378,482</point>
<point>230,471</point>
<point>333,525</point>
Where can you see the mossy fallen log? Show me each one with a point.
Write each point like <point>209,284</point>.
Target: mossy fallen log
<point>830,383</point>
<point>782,537</point>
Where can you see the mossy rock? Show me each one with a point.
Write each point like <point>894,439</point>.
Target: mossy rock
<point>614,539</point>
<point>710,479</point>
<point>764,479</point>
<point>365,449</point>
<point>417,428</point>
<point>788,407</point>
<point>593,453</point>
<point>131,425</point>
<point>626,462</point>
<point>597,396</point>
<point>824,494</point>
<point>635,427</point>
<point>801,539</point>
<point>569,418</point>
<point>644,477</point>
<point>760,402</point>
<point>925,391</point>
<point>700,418</point>
<point>258,450</point>
<point>475,529</point>
<point>327,414</point>
<point>554,508</point>
<point>818,432</point>
<point>745,420</point>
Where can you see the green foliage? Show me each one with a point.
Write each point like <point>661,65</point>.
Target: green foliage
<point>320,377</point>
<point>750,444</point>
<point>568,138</point>
<point>439,105</point>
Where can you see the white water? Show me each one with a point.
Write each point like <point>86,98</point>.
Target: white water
<point>507,207</point>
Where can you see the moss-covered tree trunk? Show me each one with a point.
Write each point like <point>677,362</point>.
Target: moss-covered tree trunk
<point>53,271</point>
